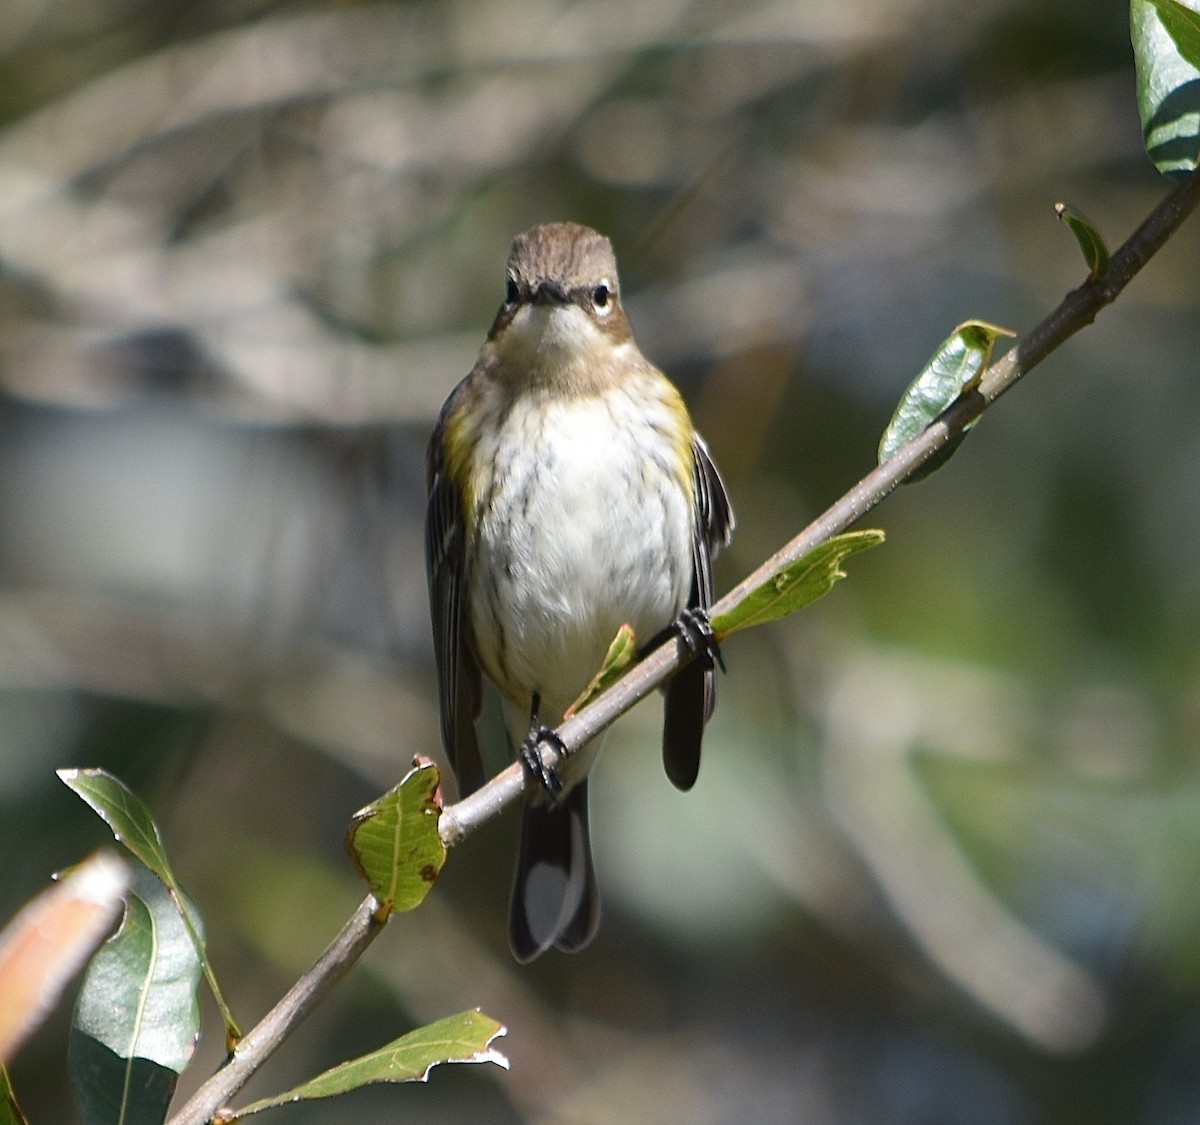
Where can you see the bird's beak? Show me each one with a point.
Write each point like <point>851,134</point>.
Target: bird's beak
<point>549,293</point>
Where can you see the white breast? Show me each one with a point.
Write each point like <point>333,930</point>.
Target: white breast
<point>588,528</point>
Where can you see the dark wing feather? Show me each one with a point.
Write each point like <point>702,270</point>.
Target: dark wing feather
<point>691,694</point>
<point>445,563</point>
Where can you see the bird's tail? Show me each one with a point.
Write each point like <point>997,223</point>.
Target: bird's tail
<point>555,901</point>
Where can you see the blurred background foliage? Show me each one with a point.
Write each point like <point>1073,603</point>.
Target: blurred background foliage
<point>942,861</point>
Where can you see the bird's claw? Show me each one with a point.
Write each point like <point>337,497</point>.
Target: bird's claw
<point>535,768</point>
<point>696,633</point>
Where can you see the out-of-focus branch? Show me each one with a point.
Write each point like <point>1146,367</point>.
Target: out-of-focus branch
<point>1078,309</point>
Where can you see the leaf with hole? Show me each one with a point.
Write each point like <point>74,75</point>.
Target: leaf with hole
<point>394,841</point>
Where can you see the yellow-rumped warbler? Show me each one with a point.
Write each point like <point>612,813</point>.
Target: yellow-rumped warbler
<point>568,495</point>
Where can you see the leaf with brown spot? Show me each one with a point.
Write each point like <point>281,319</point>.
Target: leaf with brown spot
<point>394,841</point>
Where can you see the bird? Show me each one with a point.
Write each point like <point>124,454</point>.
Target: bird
<point>568,495</point>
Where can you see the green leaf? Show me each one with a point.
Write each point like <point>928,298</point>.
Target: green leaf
<point>1095,253</point>
<point>125,813</point>
<point>953,370</point>
<point>795,585</point>
<point>133,826</point>
<point>10,1111</point>
<point>110,1090</point>
<point>137,1017</point>
<point>464,1038</point>
<point>1183,25</point>
<point>619,656</point>
<point>1166,47</point>
<point>394,841</point>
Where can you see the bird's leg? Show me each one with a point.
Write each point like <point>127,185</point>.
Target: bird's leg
<point>546,776</point>
<point>696,633</point>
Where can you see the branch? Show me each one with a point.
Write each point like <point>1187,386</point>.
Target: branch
<point>205,1105</point>
<point>1077,310</point>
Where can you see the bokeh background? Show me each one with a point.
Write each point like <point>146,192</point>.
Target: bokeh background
<point>943,860</point>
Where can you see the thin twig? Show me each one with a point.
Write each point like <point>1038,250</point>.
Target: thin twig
<point>1077,310</point>
<point>260,1043</point>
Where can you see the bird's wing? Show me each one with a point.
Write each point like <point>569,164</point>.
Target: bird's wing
<point>691,694</point>
<point>445,564</point>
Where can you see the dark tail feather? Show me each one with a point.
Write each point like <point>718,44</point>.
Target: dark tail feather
<point>686,709</point>
<point>555,901</point>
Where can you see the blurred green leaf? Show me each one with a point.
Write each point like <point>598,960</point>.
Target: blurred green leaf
<point>10,1112</point>
<point>794,586</point>
<point>133,825</point>
<point>953,370</point>
<point>464,1038</point>
<point>1095,252</point>
<point>137,1017</point>
<point>394,841</point>
<point>619,656</point>
<point>1166,47</point>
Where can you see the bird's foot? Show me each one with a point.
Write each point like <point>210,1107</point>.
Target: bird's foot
<point>535,768</point>
<point>695,631</point>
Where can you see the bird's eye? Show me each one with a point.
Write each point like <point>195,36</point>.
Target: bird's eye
<point>602,298</point>
<point>511,291</point>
